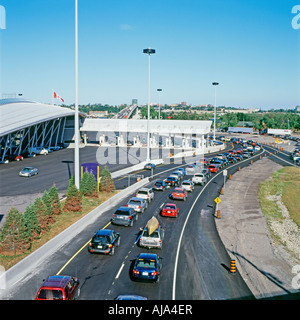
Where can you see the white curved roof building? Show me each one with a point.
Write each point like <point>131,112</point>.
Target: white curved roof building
<point>26,124</point>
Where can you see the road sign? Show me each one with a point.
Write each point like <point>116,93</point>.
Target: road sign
<point>217,200</point>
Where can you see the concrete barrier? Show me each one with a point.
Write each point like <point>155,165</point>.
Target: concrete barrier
<point>25,266</point>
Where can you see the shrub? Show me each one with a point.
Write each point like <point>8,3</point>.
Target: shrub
<point>73,201</point>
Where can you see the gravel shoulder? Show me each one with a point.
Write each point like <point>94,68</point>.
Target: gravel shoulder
<point>266,267</point>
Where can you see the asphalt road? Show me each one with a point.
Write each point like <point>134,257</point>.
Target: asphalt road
<point>195,262</point>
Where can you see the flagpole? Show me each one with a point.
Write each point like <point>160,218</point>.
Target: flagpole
<point>76,127</point>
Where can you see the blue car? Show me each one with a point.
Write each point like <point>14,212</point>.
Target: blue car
<point>149,166</point>
<point>159,185</point>
<point>147,267</point>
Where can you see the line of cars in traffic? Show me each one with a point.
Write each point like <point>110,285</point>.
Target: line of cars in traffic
<point>146,266</point>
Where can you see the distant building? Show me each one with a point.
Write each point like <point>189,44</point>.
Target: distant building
<point>134,102</point>
<point>98,114</point>
<point>297,108</point>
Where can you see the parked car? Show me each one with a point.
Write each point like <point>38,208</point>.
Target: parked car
<point>170,210</point>
<point>59,288</point>
<point>147,267</point>
<point>28,172</point>
<point>188,185</point>
<point>104,241</point>
<point>124,216</point>
<point>145,193</point>
<point>38,150</point>
<point>160,185</point>
<point>149,166</point>
<point>14,157</point>
<point>138,204</point>
<point>172,181</point>
<point>179,193</point>
<point>154,240</point>
<point>199,178</point>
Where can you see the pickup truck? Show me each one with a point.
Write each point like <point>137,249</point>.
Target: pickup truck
<point>152,241</point>
<point>199,178</point>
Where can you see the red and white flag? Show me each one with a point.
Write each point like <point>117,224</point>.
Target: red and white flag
<point>56,96</point>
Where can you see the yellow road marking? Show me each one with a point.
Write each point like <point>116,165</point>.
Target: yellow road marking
<point>64,266</point>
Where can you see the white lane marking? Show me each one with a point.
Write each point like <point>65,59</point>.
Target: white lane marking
<point>187,218</point>
<point>120,270</point>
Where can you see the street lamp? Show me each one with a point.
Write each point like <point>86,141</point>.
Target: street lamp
<point>159,90</point>
<point>215,84</point>
<point>149,51</point>
<point>76,124</point>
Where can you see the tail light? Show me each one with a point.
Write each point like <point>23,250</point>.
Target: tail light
<point>113,215</point>
<point>127,205</point>
<point>140,207</point>
<point>136,271</point>
<point>155,273</point>
<point>110,246</point>
<point>90,244</point>
<point>130,217</point>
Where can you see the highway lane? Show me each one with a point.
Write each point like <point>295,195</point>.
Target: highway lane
<point>98,273</point>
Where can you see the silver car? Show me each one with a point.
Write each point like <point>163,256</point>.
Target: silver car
<point>28,172</point>
<point>138,204</point>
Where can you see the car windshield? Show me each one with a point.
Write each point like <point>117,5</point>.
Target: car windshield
<point>186,183</point>
<point>26,169</point>
<point>122,212</point>
<point>50,294</point>
<point>178,191</point>
<point>171,178</point>
<point>100,239</point>
<point>158,183</point>
<point>146,263</point>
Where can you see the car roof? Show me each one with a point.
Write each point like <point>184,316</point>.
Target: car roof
<point>136,199</point>
<point>189,181</point>
<point>124,209</point>
<point>147,256</point>
<point>178,189</point>
<point>170,204</point>
<point>144,189</point>
<point>104,232</point>
<point>56,281</point>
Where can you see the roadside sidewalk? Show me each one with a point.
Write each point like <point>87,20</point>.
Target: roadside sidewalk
<point>265,267</point>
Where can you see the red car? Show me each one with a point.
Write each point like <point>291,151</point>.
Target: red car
<point>170,210</point>
<point>179,193</point>
<point>238,151</point>
<point>59,288</point>
<point>213,168</point>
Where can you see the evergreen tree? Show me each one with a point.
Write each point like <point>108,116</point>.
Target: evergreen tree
<point>55,203</point>
<point>47,201</point>
<point>106,183</point>
<point>12,236</point>
<point>42,214</point>
<point>32,227</point>
<point>73,201</point>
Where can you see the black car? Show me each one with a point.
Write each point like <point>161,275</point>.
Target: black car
<point>104,241</point>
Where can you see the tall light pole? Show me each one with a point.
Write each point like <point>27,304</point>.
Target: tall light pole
<point>159,91</point>
<point>215,84</point>
<point>76,125</point>
<point>149,51</point>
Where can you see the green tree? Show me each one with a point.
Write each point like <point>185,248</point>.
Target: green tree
<point>12,236</point>
<point>88,185</point>
<point>106,182</point>
<point>31,223</point>
<point>42,214</point>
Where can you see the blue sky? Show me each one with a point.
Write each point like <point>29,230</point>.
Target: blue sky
<point>249,47</point>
